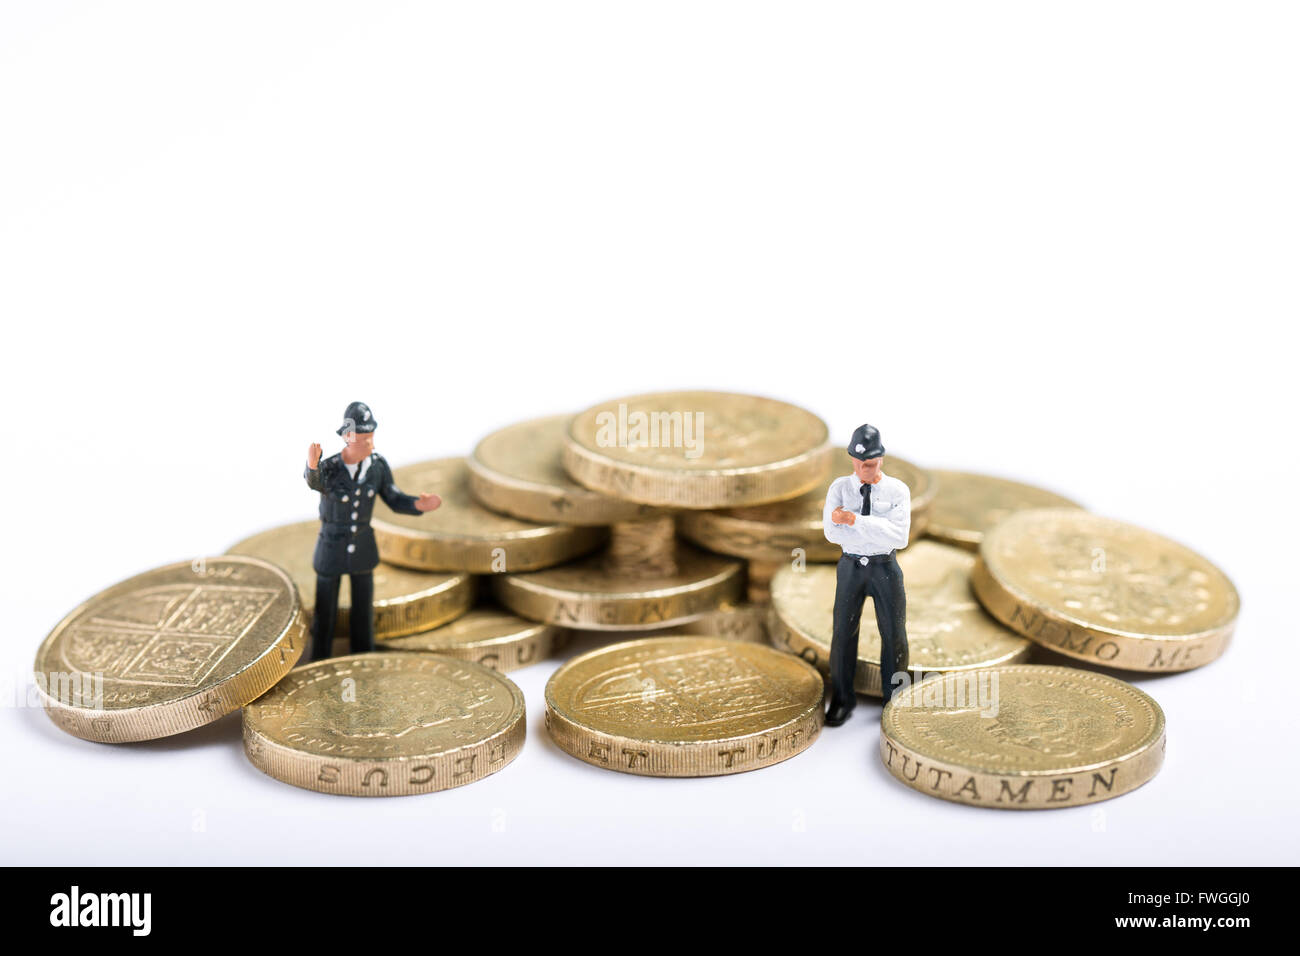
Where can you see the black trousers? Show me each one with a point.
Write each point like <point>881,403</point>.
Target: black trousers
<point>881,579</point>
<point>361,618</point>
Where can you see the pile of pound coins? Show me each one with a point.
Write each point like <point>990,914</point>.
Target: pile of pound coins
<point>685,527</point>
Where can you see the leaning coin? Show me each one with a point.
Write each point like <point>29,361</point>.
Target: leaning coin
<point>969,504</point>
<point>386,725</point>
<point>947,630</point>
<point>777,531</point>
<point>684,706</point>
<point>697,449</point>
<point>1023,737</point>
<point>171,649</point>
<point>462,535</point>
<point>405,601</point>
<point>1105,592</point>
<point>518,470</point>
<point>489,636</point>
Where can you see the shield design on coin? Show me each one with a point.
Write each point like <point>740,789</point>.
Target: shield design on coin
<point>172,635</point>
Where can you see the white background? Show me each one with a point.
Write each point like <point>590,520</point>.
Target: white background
<point>1052,241</point>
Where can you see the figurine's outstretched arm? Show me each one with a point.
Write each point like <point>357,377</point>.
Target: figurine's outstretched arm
<point>393,496</point>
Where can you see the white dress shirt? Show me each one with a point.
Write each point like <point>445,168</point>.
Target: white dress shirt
<point>884,530</point>
<point>358,471</point>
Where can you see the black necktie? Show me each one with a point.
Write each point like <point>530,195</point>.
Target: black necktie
<point>866,498</point>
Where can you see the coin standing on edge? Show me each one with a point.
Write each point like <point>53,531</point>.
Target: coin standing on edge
<point>406,601</point>
<point>462,535</point>
<point>1104,591</point>
<point>386,725</point>
<point>947,629</point>
<point>968,504</point>
<point>518,470</point>
<point>697,449</point>
<point>1023,737</point>
<point>684,706</point>
<point>488,636</point>
<point>772,532</point>
<point>171,649</point>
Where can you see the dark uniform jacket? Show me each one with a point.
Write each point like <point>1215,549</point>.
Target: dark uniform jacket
<point>346,544</point>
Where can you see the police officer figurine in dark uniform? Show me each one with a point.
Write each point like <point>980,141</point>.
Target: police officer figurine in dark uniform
<point>348,483</point>
<point>869,515</point>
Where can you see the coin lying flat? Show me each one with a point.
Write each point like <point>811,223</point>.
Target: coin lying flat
<point>969,504</point>
<point>773,532</point>
<point>405,601</point>
<point>697,449</point>
<point>171,649</point>
<point>489,636</point>
<point>1023,737</point>
<point>595,593</point>
<point>386,725</point>
<point>947,630</point>
<point>462,535</point>
<point>1105,592</point>
<point>684,706</point>
<point>519,471</point>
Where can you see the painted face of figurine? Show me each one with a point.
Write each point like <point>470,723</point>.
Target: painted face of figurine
<point>868,470</point>
<point>359,445</point>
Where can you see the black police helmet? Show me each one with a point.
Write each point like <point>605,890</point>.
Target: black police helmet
<point>866,443</point>
<point>358,418</point>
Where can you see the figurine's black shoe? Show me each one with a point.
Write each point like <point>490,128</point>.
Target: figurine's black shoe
<point>838,713</point>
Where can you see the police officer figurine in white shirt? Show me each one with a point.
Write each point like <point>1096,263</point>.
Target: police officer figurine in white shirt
<point>348,483</point>
<point>869,515</point>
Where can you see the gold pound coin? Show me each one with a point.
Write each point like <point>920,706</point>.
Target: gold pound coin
<point>776,531</point>
<point>736,622</point>
<point>947,630</point>
<point>519,471</point>
<point>386,725</point>
<point>462,535</point>
<point>1023,737</point>
<point>487,636</point>
<point>697,449</point>
<point>622,589</point>
<point>171,649</point>
<point>968,504</point>
<point>405,601</point>
<point>684,706</point>
<point>1105,592</point>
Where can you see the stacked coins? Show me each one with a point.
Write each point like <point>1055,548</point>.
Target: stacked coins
<point>687,529</point>
<point>639,465</point>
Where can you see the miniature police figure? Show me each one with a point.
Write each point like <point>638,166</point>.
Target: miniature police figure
<point>869,515</point>
<point>347,483</point>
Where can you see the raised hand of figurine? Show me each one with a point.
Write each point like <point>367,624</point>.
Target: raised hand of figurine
<point>313,455</point>
<point>840,516</point>
<point>428,502</point>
